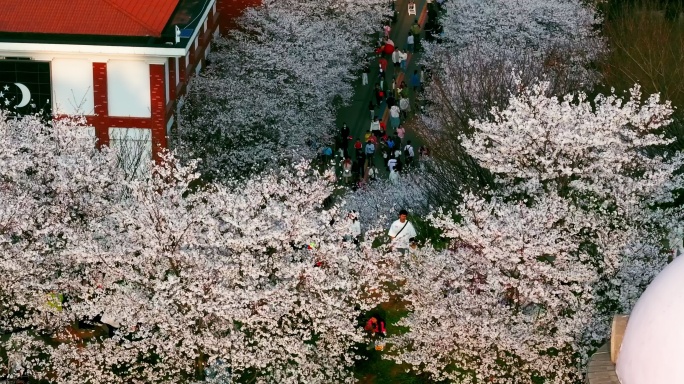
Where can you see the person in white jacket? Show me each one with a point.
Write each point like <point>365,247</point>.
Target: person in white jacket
<point>395,119</point>
<point>396,58</point>
<point>354,226</point>
<point>403,57</point>
<point>394,176</point>
<point>401,231</point>
<point>405,106</point>
<point>375,126</point>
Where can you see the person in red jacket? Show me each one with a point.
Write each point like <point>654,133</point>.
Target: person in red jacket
<point>383,63</point>
<point>383,127</point>
<point>358,146</point>
<point>375,326</point>
<point>373,139</point>
<point>388,48</point>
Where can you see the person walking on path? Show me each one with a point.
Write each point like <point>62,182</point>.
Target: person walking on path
<point>357,169</point>
<point>391,163</point>
<point>403,89</point>
<point>382,62</point>
<point>415,32</point>
<point>373,172</point>
<point>364,75</point>
<point>400,133</point>
<point>387,30</point>
<point>370,150</point>
<point>394,116</point>
<point>371,108</point>
<point>382,65</point>
<point>394,176</point>
<point>415,81</point>
<point>405,106</point>
<point>373,139</point>
<point>390,144</point>
<point>346,170</point>
<point>344,132</point>
<point>388,47</point>
<point>379,94</point>
<point>403,57</point>
<point>354,227</point>
<point>401,231</point>
<point>400,165</point>
<point>375,126</point>
<point>358,146</point>
<point>396,58</point>
<point>409,153</point>
<point>375,327</point>
<point>410,41</point>
<point>390,101</point>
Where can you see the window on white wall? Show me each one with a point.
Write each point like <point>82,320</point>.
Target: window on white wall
<point>167,80</point>
<point>134,149</point>
<point>128,88</point>
<point>72,87</point>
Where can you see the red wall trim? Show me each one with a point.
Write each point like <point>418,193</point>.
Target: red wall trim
<point>158,103</point>
<point>100,100</point>
<point>157,123</point>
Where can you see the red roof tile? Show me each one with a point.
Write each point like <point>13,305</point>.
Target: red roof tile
<point>87,17</point>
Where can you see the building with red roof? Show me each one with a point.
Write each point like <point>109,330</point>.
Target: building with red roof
<point>102,17</point>
<point>124,64</point>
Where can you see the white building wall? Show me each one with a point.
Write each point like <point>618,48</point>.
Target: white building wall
<point>72,86</point>
<point>128,88</point>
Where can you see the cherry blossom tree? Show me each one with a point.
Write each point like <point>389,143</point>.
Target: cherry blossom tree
<point>248,283</point>
<point>560,35</point>
<point>486,51</point>
<point>573,232</point>
<point>609,150</point>
<point>378,202</point>
<point>273,86</point>
<point>507,293</point>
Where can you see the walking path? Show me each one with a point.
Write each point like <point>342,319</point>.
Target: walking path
<point>357,114</point>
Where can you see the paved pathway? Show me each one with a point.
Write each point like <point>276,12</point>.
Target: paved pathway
<point>357,114</point>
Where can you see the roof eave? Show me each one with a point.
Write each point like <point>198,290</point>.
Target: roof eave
<point>26,49</point>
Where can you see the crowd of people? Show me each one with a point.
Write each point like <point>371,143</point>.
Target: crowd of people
<point>387,145</point>
<point>377,145</point>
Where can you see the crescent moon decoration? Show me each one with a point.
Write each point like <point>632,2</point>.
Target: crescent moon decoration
<point>25,95</point>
